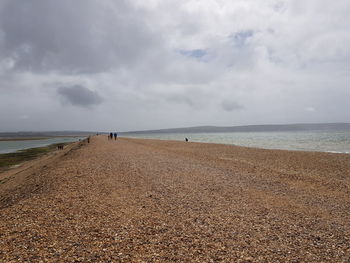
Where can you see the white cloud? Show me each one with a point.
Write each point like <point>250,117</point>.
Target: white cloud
<point>310,109</point>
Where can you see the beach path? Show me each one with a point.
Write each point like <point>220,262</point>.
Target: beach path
<point>134,200</point>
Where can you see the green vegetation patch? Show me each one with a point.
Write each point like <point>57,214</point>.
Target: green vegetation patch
<point>9,159</point>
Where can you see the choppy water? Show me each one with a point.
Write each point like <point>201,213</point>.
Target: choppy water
<point>321,141</point>
<point>13,146</point>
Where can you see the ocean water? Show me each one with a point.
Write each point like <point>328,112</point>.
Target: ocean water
<point>320,141</point>
<point>13,146</point>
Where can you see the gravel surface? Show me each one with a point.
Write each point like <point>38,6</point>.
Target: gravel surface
<point>134,200</point>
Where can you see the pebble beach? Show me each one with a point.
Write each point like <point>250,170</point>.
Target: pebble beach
<point>137,200</point>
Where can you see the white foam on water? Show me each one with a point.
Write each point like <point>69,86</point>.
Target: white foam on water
<point>337,152</point>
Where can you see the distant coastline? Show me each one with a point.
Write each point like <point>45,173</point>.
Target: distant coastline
<point>341,126</point>
<point>252,128</point>
<point>6,139</point>
<point>39,135</point>
<point>3,139</point>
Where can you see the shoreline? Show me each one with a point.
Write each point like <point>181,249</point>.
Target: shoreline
<point>45,151</point>
<point>16,159</point>
<point>168,201</point>
<point>315,141</point>
<point>236,145</point>
<point>18,145</point>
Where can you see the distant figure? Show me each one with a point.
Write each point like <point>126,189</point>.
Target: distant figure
<point>60,147</point>
<point>88,139</point>
<point>186,139</point>
<point>115,136</point>
<point>111,135</point>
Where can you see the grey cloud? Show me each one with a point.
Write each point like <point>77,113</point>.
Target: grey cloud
<point>181,99</point>
<point>79,96</point>
<point>228,105</point>
<point>72,36</point>
<point>196,53</point>
<point>194,97</point>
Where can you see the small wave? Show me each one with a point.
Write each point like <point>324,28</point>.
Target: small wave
<point>337,152</point>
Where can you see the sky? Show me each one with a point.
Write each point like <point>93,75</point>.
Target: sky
<point>103,65</point>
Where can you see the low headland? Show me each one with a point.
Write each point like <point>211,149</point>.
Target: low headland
<point>137,200</point>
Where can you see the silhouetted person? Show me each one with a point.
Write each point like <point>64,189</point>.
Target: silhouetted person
<point>111,135</point>
<point>60,147</point>
<point>115,136</point>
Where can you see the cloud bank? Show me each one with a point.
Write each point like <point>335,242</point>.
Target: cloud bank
<point>128,65</point>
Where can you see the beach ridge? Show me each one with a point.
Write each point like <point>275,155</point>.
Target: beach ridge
<point>135,200</point>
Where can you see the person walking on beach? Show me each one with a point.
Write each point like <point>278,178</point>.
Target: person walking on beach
<point>115,136</point>
<point>60,147</point>
<point>111,135</point>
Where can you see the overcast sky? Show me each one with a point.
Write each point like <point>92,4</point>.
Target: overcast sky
<point>148,64</point>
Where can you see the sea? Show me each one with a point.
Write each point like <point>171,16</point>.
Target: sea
<point>16,145</point>
<point>319,141</point>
